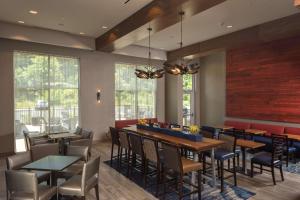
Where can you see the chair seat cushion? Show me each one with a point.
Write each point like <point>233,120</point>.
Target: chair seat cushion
<point>223,154</point>
<point>72,187</point>
<point>45,193</point>
<point>263,158</point>
<point>75,169</point>
<point>190,165</point>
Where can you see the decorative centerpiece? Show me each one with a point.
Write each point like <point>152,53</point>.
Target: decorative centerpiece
<point>176,133</point>
<point>194,129</point>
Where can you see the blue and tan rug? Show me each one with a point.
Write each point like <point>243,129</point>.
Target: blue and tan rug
<point>292,168</point>
<point>231,192</point>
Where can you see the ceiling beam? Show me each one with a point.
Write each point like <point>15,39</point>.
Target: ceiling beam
<point>270,31</point>
<point>159,13</point>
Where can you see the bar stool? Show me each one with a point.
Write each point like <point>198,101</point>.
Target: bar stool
<point>115,140</point>
<point>180,166</point>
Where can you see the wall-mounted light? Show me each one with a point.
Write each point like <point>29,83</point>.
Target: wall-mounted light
<point>99,96</point>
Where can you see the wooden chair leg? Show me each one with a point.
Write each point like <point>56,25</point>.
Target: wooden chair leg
<point>238,160</point>
<point>281,173</point>
<point>234,172</point>
<point>112,153</point>
<point>287,159</point>
<point>199,184</point>
<point>97,191</point>
<point>273,174</point>
<point>252,169</point>
<point>222,176</point>
<point>261,169</point>
<point>180,187</point>
<point>228,164</point>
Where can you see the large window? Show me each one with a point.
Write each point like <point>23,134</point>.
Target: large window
<point>46,93</point>
<point>188,99</point>
<point>134,98</point>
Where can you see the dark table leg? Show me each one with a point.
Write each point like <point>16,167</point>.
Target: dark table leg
<point>244,168</point>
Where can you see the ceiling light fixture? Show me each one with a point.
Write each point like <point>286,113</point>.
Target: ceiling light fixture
<point>297,3</point>
<point>183,67</point>
<point>34,12</point>
<point>81,33</point>
<point>229,26</point>
<point>150,72</point>
<point>104,27</point>
<point>21,22</point>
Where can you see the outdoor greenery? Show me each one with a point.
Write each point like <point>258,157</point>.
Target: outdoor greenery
<point>38,77</point>
<point>134,98</point>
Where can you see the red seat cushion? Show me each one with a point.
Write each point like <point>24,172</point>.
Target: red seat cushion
<point>292,130</point>
<point>124,123</point>
<point>271,129</point>
<point>237,124</point>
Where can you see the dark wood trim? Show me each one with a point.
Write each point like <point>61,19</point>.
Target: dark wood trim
<point>161,14</point>
<point>271,31</point>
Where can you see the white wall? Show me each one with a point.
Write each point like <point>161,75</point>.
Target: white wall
<point>96,72</point>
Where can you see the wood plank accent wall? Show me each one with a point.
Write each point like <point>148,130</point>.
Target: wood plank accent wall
<point>263,81</point>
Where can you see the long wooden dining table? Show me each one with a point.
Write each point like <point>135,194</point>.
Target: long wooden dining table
<point>206,144</point>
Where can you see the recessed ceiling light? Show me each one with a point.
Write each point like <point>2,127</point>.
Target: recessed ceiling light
<point>81,33</point>
<point>229,26</point>
<point>34,12</point>
<point>104,27</point>
<point>21,22</point>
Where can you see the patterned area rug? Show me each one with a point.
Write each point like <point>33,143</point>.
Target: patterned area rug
<point>292,168</point>
<point>230,193</point>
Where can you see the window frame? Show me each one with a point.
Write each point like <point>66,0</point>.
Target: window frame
<point>135,93</point>
<point>49,55</point>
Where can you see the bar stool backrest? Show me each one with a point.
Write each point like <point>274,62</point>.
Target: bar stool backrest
<point>136,144</point>
<point>114,132</point>
<point>230,142</point>
<point>124,143</point>
<point>278,146</point>
<point>171,157</point>
<point>150,149</point>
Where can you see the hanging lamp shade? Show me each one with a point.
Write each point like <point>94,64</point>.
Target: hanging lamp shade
<point>183,67</point>
<point>149,72</point>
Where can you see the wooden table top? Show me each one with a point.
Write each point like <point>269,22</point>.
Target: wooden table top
<point>293,136</point>
<point>255,131</point>
<point>205,144</point>
<point>223,127</point>
<point>63,135</point>
<point>249,144</point>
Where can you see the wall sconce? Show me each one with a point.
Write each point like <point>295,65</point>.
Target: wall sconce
<point>99,96</point>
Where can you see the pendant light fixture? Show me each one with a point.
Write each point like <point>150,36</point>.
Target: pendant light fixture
<point>150,72</point>
<point>183,67</point>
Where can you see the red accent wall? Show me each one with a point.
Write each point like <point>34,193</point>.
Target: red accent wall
<point>263,81</point>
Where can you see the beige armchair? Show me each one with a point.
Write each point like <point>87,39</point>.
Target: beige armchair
<point>43,150</point>
<point>18,160</point>
<point>86,140</point>
<point>76,168</point>
<point>24,185</point>
<point>80,185</point>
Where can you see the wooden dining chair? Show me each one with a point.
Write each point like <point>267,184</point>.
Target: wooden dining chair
<point>24,185</point>
<point>173,162</point>
<point>115,140</point>
<point>272,160</point>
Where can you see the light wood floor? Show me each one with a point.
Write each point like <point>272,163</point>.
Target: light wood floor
<point>114,186</point>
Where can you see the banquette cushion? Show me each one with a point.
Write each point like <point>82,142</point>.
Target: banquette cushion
<point>237,124</point>
<point>271,129</point>
<point>292,130</point>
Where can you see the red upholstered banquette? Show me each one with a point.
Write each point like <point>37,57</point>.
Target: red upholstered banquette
<point>271,129</point>
<point>292,130</point>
